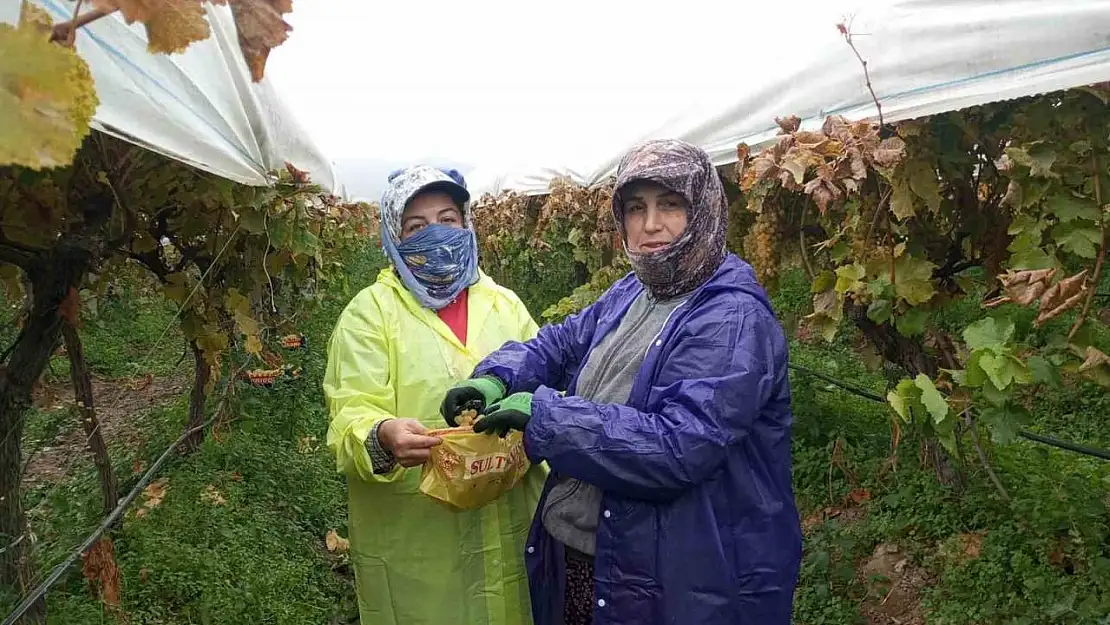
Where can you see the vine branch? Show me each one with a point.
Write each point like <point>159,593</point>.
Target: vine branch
<point>846,31</point>
<point>65,32</point>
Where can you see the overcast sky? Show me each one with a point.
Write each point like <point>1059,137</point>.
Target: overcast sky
<point>488,81</point>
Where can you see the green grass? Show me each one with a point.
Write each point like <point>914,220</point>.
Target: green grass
<point>260,557</point>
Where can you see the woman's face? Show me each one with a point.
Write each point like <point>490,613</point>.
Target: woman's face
<point>654,216</point>
<point>429,207</point>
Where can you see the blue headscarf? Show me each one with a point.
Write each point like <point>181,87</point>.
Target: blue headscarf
<point>436,263</point>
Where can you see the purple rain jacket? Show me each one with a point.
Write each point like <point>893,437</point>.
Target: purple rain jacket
<point>698,522</point>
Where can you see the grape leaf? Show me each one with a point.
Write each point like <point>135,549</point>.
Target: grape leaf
<point>989,333</point>
<point>889,152</point>
<point>933,401</point>
<point>879,311</point>
<point>912,322</point>
<point>47,99</point>
<point>848,278</point>
<point>1031,258</point>
<point>261,28</point>
<point>1094,358</point>
<point>914,280</point>
<point>1067,207</point>
<point>253,345</point>
<point>904,396</point>
<point>171,25</point>
<point>1078,237</point>
<point>924,182</point>
<point>1044,372</point>
<point>823,282</point>
<point>1003,422</point>
<point>901,200</point>
<point>1038,158</point>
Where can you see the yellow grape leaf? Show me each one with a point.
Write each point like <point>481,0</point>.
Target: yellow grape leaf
<point>246,324</point>
<point>171,25</point>
<point>1094,358</point>
<point>143,243</point>
<point>237,302</point>
<point>47,98</point>
<point>336,543</point>
<point>212,342</point>
<point>261,28</point>
<point>176,288</point>
<point>33,17</point>
<point>212,495</point>
<point>154,493</point>
<point>253,345</point>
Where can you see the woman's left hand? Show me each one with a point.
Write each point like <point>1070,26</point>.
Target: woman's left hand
<point>511,413</point>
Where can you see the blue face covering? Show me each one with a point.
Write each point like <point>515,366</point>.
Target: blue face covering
<point>436,263</point>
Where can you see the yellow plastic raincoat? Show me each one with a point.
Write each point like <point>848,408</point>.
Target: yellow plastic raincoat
<point>416,561</point>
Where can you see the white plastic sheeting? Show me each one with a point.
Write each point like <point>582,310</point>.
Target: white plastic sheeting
<point>199,107</point>
<point>924,57</point>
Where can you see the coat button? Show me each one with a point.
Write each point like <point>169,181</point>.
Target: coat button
<point>607,514</point>
<point>601,603</point>
<point>658,343</point>
<point>531,549</point>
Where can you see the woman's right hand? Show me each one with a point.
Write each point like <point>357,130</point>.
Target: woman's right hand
<point>405,439</point>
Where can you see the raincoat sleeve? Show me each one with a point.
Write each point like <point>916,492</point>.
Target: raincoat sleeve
<point>357,388</point>
<point>550,359</point>
<point>712,385</point>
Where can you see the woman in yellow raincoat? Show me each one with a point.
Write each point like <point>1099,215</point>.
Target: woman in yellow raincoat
<point>421,328</point>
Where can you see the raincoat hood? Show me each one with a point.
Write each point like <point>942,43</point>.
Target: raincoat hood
<point>696,254</point>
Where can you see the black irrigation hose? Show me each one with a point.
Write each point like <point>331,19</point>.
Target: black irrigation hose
<point>59,570</point>
<point>1094,452</point>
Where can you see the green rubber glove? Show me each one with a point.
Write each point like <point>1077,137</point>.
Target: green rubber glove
<point>511,413</point>
<point>475,393</point>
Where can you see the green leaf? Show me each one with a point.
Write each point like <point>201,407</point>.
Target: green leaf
<point>848,278</point>
<point>900,405</point>
<point>305,242</point>
<point>913,280</point>
<point>989,333</point>
<point>1002,370</point>
<point>1068,207</point>
<point>1032,258</point>
<point>1037,157</point>
<point>993,395</point>
<point>1044,372</point>
<point>574,236</point>
<point>1025,224</point>
<point>879,311</point>
<point>252,220</point>
<point>934,402</point>
<point>901,200</point>
<point>840,251</point>
<point>823,282</point>
<point>924,182</point>
<point>1003,422</point>
<point>912,322</point>
<point>1079,238</point>
<point>904,396</point>
<point>1033,190</point>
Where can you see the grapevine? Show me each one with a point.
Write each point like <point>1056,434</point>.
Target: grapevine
<point>1002,203</point>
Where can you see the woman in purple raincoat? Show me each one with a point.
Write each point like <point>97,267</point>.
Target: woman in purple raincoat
<point>663,411</point>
